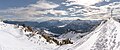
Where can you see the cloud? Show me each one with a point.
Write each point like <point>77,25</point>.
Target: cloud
<point>41,9</point>
<point>84,2</point>
<point>38,9</point>
<point>44,5</point>
<point>58,12</point>
<point>32,11</point>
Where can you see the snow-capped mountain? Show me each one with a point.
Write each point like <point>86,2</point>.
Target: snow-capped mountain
<point>62,26</point>
<point>13,38</point>
<point>103,37</point>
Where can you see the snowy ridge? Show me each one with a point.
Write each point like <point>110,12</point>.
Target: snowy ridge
<point>13,38</point>
<point>109,38</point>
<point>79,41</point>
<point>105,39</point>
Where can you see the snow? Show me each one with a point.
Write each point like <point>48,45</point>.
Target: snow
<point>10,38</point>
<point>48,32</point>
<point>62,25</point>
<point>105,37</point>
<point>13,38</point>
<point>72,35</point>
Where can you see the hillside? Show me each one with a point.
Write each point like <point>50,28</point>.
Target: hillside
<point>104,37</point>
<point>13,38</point>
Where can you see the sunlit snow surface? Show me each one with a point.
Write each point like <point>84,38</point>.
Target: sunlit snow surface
<point>13,38</point>
<point>105,37</point>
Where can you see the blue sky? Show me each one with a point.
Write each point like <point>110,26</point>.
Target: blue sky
<point>36,10</point>
<point>4,4</point>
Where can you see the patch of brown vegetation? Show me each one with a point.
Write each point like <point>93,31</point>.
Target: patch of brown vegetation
<point>48,39</point>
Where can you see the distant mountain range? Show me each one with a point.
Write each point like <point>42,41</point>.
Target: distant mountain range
<point>63,26</point>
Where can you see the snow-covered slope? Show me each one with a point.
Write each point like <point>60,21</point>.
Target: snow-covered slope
<point>13,38</point>
<point>106,37</point>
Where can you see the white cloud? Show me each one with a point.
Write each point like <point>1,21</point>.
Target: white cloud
<point>58,12</point>
<point>34,10</point>
<point>85,2</point>
<point>44,5</point>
